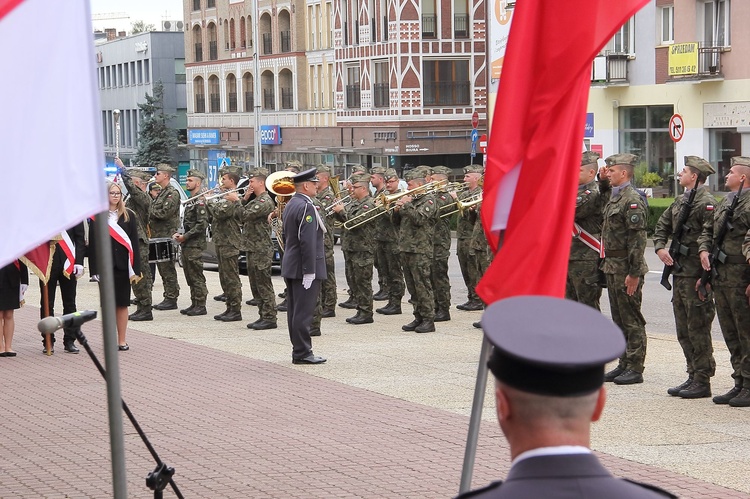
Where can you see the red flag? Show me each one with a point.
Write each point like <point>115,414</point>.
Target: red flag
<point>39,260</point>
<point>535,144</point>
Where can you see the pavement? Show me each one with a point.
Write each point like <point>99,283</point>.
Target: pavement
<point>386,416</point>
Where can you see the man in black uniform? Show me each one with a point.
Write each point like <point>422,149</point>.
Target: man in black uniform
<point>548,363</point>
<point>303,266</point>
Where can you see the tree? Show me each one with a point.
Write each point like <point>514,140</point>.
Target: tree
<point>155,139</point>
<point>140,27</point>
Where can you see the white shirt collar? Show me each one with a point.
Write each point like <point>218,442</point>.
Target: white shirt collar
<point>551,451</point>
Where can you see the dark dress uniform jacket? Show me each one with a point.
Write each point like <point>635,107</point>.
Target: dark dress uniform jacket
<point>564,476</point>
<point>303,240</point>
<point>120,254</point>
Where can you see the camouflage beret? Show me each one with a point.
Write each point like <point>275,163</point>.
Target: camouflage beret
<point>441,170</point>
<point>323,169</point>
<point>427,170</point>
<point>699,164</point>
<point>414,174</point>
<point>138,173</point>
<point>257,172</point>
<point>622,159</point>
<point>196,173</point>
<point>473,169</point>
<point>359,178</point>
<point>590,158</point>
<point>390,173</point>
<point>359,169</point>
<point>153,186</point>
<point>379,170</point>
<point>164,167</point>
<point>741,160</point>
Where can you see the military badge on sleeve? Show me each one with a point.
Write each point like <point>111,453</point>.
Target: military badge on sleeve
<point>309,219</point>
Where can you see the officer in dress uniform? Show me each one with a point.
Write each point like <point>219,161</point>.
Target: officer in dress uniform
<point>164,222</point>
<point>441,283</point>
<point>548,363</point>
<point>193,242</point>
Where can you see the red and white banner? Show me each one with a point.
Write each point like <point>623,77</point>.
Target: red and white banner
<point>534,152</point>
<point>50,125</point>
<point>67,246</point>
<point>118,234</point>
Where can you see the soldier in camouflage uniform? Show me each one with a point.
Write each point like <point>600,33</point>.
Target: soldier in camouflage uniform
<point>325,197</point>
<point>256,232</point>
<point>358,247</point>
<point>441,283</point>
<point>480,248</point>
<point>693,316</point>
<point>136,181</point>
<point>226,214</point>
<point>624,265</point>
<point>583,264</point>
<point>193,242</point>
<point>164,221</point>
<point>731,284</point>
<point>386,235</point>
<point>377,180</point>
<point>467,258</point>
<point>416,218</point>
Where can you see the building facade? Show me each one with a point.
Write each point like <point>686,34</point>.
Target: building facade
<point>127,69</point>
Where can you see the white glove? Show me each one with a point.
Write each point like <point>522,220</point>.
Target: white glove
<point>95,278</point>
<point>307,280</point>
<point>77,271</point>
<point>22,292</point>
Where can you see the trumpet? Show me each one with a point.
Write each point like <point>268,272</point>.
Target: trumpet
<point>461,205</point>
<point>239,190</point>
<point>345,201</point>
<point>201,196</point>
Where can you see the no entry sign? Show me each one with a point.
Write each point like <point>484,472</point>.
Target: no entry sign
<point>676,127</point>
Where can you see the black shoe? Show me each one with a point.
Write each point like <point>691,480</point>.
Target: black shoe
<point>123,348</point>
<point>390,309</point>
<point>281,307</point>
<point>380,295</point>
<point>310,359</point>
<point>611,375</point>
<point>350,304</point>
<point>221,315</point>
<point>696,390</point>
<point>250,325</point>
<point>71,348</point>
<point>233,316</point>
<point>328,313</point>
<point>675,390</point>
<point>315,331</point>
<point>142,315</point>
<point>442,316</point>
<point>473,306</point>
<point>282,294</point>
<point>45,351</point>
<point>167,304</point>
<point>130,317</point>
<point>360,318</point>
<point>198,310</point>
<point>184,311</point>
<point>254,302</point>
<point>463,306</point>
<point>427,326</point>
<point>724,399</point>
<point>221,297</point>
<point>742,399</point>
<point>264,324</point>
<point>628,377</point>
<point>412,325</point>
<point>477,324</point>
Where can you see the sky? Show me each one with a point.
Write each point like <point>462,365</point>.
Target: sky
<point>150,11</point>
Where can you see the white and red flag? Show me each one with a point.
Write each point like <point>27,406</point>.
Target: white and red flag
<point>50,133</point>
<point>534,149</point>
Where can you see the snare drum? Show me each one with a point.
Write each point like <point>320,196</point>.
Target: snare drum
<point>161,249</point>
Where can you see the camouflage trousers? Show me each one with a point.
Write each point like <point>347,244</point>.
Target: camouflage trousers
<point>359,265</point>
<point>626,313</point>
<point>229,276</point>
<point>734,318</point>
<point>192,265</point>
<point>169,278</point>
<point>693,319</point>
<point>259,274</point>
<point>441,283</point>
<point>469,268</point>
<point>378,264</point>
<point>582,284</point>
<point>389,256</point>
<point>142,289</point>
<point>328,291</point>
<point>417,276</point>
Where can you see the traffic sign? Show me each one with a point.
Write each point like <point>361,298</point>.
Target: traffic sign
<point>475,120</point>
<point>483,144</point>
<point>676,128</point>
<point>474,136</point>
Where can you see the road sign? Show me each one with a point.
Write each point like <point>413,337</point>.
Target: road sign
<point>483,144</point>
<point>474,136</point>
<point>475,120</point>
<point>473,149</point>
<point>676,127</point>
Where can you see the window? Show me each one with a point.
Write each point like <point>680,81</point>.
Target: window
<point>179,71</point>
<point>232,92</point>
<point>623,41</point>
<point>119,75</point>
<point>286,86</point>
<point>460,19</point>
<point>247,86</point>
<point>200,95</point>
<point>126,74</point>
<point>644,131</point>
<point>210,4</point>
<point>667,25</point>
<point>429,19</point>
<point>102,80</point>
<point>446,83</point>
<point>714,23</point>
<point>381,87</point>
<point>353,89</point>
<point>139,68</point>
<point>196,4</point>
<point>214,97</point>
<point>146,72</point>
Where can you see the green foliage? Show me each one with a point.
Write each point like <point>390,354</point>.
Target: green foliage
<point>654,212</point>
<point>155,139</point>
<point>140,27</point>
<point>660,202</point>
<point>651,179</point>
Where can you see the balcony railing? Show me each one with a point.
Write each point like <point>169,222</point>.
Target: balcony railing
<point>709,60</point>
<point>286,41</point>
<point>353,93</point>
<point>461,26</point>
<point>249,102</point>
<point>267,44</point>
<point>269,99</point>
<point>200,103</point>
<point>233,102</point>
<point>446,93</point>
<point>213,51</point>
<point>287,98</point>
<point>429,26</point>
<point>198,52</point>
<point>381,95</point>
<point>215,103</point>
<point>611,67</point>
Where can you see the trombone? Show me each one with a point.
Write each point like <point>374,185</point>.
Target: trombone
<point>239,190</point>
<point>462,205</point>
<point>345,201</point>
<point>202,196</point>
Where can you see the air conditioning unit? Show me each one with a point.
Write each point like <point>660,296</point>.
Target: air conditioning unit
<point>172,25</point>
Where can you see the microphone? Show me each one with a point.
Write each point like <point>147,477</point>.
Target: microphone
<point>49,325</point>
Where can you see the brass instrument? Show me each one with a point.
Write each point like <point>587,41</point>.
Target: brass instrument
<point>239,190</point>
<point>202,196</point>
<point>465,204</point>
<point>282,186</point>
<point>345,201</point>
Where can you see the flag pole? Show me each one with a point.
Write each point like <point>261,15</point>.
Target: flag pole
<point>476,417</point>
<point>109,330</point>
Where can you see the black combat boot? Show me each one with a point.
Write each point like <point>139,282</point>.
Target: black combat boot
<point>232,316</point>
<point>724,399</point>
<point>675,390</point>
<point>380,295</point>
<point>184,311</point>
<point>427,326</point>
<point>167,304</point>
<point>360,318</point>
<point>350,303</point>
<point>696,390</point>
<point>742,399</point>
<point>611,375</point>
<point>221,297</point>
<point>413,324</point>
<point>442,316</point>
<point>197,310</point>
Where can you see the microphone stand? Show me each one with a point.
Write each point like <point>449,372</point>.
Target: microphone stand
<point>158,479</point>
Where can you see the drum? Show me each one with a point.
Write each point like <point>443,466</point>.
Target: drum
<point>161,249</point>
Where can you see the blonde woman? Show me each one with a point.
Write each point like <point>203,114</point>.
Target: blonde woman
<point>123,231</point>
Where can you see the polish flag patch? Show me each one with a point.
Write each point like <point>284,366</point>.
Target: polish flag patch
<point>633,206</point>
<point>709,207</point>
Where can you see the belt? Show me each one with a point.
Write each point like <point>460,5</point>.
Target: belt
<point>735,259</point>
<point>615,253</point>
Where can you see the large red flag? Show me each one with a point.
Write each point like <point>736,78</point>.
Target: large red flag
<point>535,144</point>
<point>39,260</point>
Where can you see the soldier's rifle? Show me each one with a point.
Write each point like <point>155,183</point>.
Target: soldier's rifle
<point>717,256</point>
<point>676,248</point>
